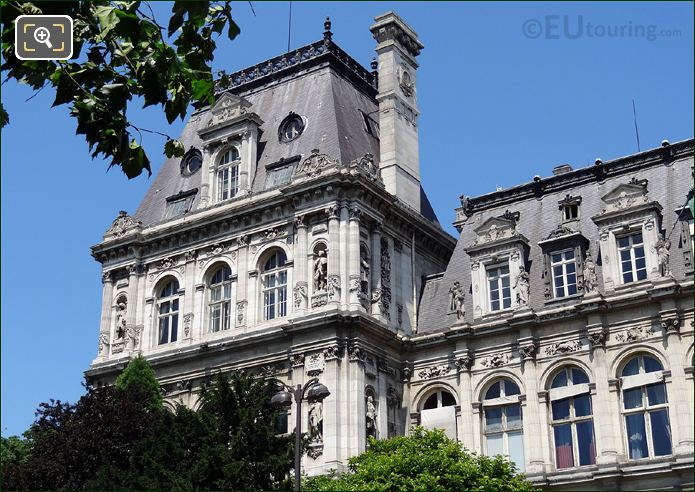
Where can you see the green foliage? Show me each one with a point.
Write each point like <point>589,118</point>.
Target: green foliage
<point>427,461</point>
<point>139,376</point>
<point>121,52</point>
<point>114,438</point>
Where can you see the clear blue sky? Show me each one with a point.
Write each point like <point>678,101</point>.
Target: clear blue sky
<point>497,108</point>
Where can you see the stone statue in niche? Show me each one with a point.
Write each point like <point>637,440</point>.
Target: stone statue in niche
<point>590,277</point>
<point>122,310</point>
<point>320,271</point>
<point>662,249</point>
<point>456,298</point>
<point>371,417</point>
<point>364,272</point>
<point>522,287</point>
<point>316,422</point>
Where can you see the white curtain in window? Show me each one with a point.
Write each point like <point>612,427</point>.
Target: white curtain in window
<point>440,418</point>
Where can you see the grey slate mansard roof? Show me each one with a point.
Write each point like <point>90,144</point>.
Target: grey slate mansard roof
<point>327,88</point>
<point>669,180</point>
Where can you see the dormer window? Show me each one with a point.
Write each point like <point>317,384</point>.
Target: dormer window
<point>633,266</point>
<point>228,174</point>
<point>570,212</point>
<point>569,208</point>
<point>291,128</point>
<point>180,203</point>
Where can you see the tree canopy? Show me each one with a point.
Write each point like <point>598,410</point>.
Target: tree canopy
<point>426,460</point>
<point>121,437</point>
<point>122,53</point>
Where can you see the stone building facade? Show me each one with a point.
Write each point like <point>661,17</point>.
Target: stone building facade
<point>294,240</point>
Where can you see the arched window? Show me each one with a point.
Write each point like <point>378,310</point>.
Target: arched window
<point>228,174</point>
<point>438,411</point>
<point>571,419</point>
<point>168,311</point>
<point>274,285</point>
<point>438,399</point>
<point>220,300</point>
<point>645,408</point>
<point>502,430</point>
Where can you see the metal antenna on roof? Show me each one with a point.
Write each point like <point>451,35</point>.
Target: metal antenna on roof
<point>634,115</point>
<point>289,28</point>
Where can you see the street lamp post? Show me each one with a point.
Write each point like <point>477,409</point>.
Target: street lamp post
<point>283,399</point>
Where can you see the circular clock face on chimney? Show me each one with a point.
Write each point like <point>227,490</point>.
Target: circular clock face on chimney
<point>405,80</point>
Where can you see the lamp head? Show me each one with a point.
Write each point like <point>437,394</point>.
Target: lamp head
<point>281,399</point>
<point>317,392</point>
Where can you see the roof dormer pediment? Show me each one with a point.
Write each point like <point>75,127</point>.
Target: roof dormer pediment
<point>497,231</point>
<point>227,108</point>
<point>626,195</point>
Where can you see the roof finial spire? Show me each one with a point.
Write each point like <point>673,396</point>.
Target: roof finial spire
<point>327,34</point>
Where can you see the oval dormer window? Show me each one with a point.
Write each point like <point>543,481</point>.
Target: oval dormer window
<point>291,127</point>
<point>192,161</point>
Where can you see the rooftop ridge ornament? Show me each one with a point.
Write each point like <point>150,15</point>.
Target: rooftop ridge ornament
<point>267,71</point>
<point>327,34</point>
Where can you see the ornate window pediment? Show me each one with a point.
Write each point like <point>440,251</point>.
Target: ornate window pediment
<point>626,196</point>
<point>228,108</point>
<point>496,232</point>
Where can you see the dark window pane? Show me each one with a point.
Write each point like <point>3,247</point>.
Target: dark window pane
<point>582,405</point>
<point>281,423</point>
<point>656,393</point>
<point>507,302</point>
<point>493,392</point>
<point>560,380</point>
<point>636,436</point>
<point>448,399</point>
<point>640,264</point>
<point>570,268</point>
<point>661,432</point>
<point>572,289</point>
<point>431,402</point>
<point>651,364</point>
<point>578,377</point>
<point>569,255</point>
<point>563,446</point>
<point>557,257</point>
<point>641,274</point>
<point>493,419</point>
<point>637,238</point>
<point>505,282</point>
<point>561,409</point>
<point>510,388</point>
<point>513,413</point>
<point>585,441</point>
<point>632,398</point>
<point>631,368</point>
<point>623,242</point>
<point>627,277</point>
<point>495,306</point>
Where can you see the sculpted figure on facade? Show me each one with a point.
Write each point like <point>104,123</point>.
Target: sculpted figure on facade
<point>316,422</point>
<point>590,277</point>
<point>300,294</point>
<point>522,287</point>
<point>371,417</point>
<point>320,271</point>
<point>122,310</point>
<point>103,342</point>
<point>133,335</point>
<point>662,249</point>
<point>456,298</point>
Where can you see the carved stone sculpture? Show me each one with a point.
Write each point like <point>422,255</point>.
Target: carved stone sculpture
<point>103,342</point>
<point>316,422</point>
<point>456,298</point>
<point>590,277</point>
<point>320,271</point>
<point>522,287</point>
<point>122,307</point>
<point>563,347</point>
<point>333,287</point>
<point>300,294</point>
<point>133,335</point>
<point>662,249</point>
<point>371,417</point>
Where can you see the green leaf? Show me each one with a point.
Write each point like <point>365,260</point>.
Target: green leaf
<point>107,19</point>
<point>173,148</point>
<point>4,117</point>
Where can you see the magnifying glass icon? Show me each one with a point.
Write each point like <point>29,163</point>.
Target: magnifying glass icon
<point>43,35</point>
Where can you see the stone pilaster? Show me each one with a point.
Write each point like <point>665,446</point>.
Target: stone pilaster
<point>376,271</point>
<point>332,408</point>
<point>334,255</point>
<point>354,256</point>
<point>105,335</point>
<point>344,255</point>
<point>301,286</point>
<point>532,419</point>
<point>604,405</point>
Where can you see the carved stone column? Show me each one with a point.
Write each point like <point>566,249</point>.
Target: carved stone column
<point>354,256</point>
<point>376,271</point>
<point>332,408</point>
<point>301,286</point>
<point>334,284</point>
<point>105,335</point>
<point>241,309</point>
<point>532,413</point>
<point>248,159</point>
<point>344,251</point>
<point>207,176</point>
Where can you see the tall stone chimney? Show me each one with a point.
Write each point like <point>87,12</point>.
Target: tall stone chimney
<point>399,159</point>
